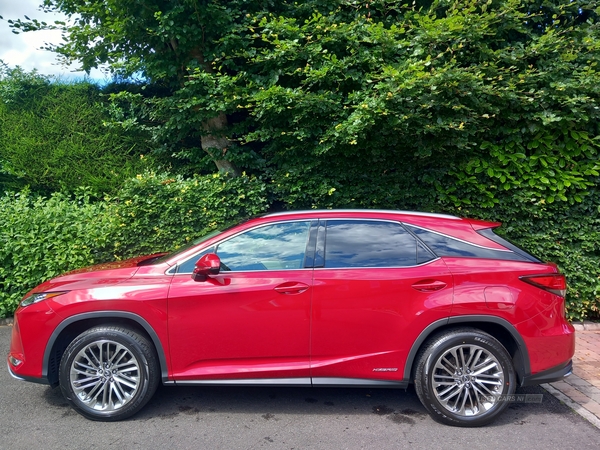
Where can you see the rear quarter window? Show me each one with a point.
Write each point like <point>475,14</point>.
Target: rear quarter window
<point>443,245</point>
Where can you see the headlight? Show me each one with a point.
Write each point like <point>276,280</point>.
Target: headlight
<point>40,296</point>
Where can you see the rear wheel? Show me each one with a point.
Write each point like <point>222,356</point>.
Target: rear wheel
<point>109,373</point>
<point>463,377</point>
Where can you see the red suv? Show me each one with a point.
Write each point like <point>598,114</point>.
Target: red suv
<point>315,298</point>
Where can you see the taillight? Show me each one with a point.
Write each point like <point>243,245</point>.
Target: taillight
<point>555,282</point>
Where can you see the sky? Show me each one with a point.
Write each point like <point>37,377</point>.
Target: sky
<point>24,49</point>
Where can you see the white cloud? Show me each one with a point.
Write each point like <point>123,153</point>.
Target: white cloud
<point>24,49</point>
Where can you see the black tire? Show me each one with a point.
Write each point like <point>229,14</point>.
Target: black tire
<point>109,373</point>
<point>463,377</point>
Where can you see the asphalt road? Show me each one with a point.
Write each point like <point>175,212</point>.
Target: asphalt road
<point>37,417</point>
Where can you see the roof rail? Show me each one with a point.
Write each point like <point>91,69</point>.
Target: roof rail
<point>384,211</point>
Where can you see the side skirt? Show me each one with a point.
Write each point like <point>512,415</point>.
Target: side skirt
<point>316,382</point>
<point>358,382</point>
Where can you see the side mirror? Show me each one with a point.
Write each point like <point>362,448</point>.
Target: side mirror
<point>209,264</point>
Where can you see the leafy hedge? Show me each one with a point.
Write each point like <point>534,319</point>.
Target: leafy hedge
<point>54,136</point>
<point>154,213</point>
<point>41,238</point>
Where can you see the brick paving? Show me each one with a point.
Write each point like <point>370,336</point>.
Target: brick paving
<point>581,390</point>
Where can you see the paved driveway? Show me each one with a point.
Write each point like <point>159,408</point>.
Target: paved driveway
<point>36,417</point>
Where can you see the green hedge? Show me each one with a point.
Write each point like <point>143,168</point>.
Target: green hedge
<point>55,136</point>
<point>154,213</point>
<point>41,238</point>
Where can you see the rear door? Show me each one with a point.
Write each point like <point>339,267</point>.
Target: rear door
<point>375,289</point>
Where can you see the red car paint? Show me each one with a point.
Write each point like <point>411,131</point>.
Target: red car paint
<point>306,325</point>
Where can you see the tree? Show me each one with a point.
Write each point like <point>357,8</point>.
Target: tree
<point>53,137</point>
<point>162,42</point>
<point>468,99</point>
<point>170,43</point>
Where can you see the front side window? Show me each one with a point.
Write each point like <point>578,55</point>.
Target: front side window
<point>369,243</point>
<point>280,246</point>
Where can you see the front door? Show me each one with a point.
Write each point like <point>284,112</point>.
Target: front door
<point>252,320</point>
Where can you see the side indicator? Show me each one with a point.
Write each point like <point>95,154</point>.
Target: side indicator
<point>14,361</point>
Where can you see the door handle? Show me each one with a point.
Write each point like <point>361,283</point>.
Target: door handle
<point>429,285</point>
<point>292,287</point>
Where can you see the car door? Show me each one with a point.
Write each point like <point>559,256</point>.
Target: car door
<point>252,320</point>
<point>376,287</point>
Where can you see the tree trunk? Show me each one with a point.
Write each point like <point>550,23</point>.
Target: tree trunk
<point>214,142</point>
<point>216,145</point>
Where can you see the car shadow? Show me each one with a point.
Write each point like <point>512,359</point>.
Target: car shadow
<point>268,402</point>
<point>397,405</point>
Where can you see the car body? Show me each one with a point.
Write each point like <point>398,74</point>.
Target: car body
<point>309,298</point>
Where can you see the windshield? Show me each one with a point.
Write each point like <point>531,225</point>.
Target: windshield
<point>185,247</point>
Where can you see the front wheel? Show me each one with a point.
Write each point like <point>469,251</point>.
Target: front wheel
<point>463,378</point>
<point>108,373</point>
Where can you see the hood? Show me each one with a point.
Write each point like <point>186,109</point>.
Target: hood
<point>95,276</point>
<point>125,264</point>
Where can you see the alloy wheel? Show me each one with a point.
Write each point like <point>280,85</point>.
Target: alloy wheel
<point>467,380</point>
<point>105,375</point>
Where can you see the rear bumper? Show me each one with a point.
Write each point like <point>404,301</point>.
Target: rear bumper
<point>556,373</point>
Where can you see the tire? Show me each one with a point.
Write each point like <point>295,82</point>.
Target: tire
<point>463,376</point>
<point>109,373</point>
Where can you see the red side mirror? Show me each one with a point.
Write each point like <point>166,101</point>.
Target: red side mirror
<point>209,264</point>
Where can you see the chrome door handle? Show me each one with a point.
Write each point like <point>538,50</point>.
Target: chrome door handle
<point>292,287</point>
<point>429,285</point>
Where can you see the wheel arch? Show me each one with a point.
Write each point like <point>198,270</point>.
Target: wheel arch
<point>73,326</point>
<point>499,328</point>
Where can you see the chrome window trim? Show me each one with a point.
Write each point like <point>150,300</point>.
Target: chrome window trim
<point>378,267</point>
<point>249,271</point>
<point>456,239</point>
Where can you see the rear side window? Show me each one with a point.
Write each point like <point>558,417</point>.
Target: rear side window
<point>369,243</point>
<point>443,245</point>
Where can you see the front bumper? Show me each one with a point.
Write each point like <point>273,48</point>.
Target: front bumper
<point>22,378</point>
